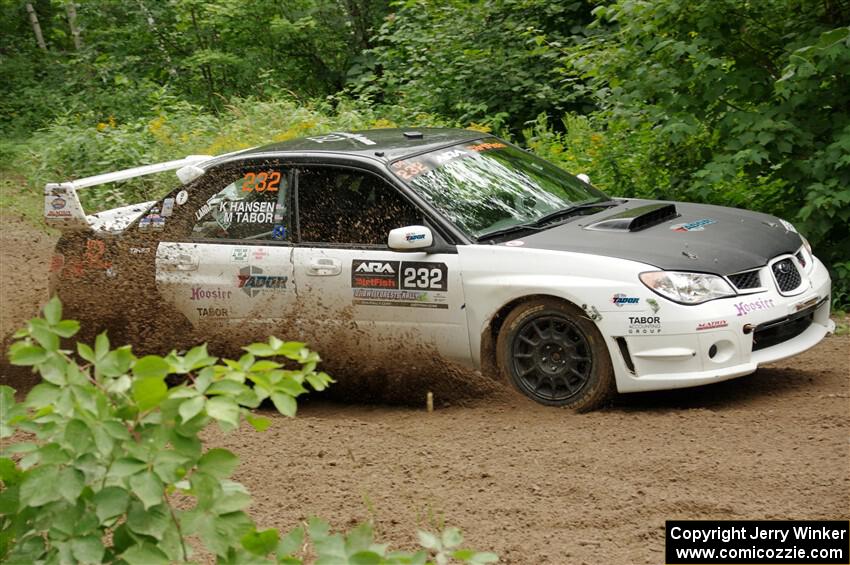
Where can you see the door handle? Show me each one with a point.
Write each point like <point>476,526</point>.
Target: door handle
<point>181,262</point>
<point>324,267</point>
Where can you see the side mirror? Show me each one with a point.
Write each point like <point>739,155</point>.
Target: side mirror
<point>583,177</point>
<point>410,238</point>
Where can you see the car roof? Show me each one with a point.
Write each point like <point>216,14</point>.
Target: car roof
<point>381,144</point>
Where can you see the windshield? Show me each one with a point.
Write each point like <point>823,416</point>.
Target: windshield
<point>487,186</point>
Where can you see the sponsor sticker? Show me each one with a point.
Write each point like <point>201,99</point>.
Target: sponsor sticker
<point>260,253</point>
<point>182,197</point>
<point>698,225</point>
<point>58,203</point>
<point>239,255</point>
<point>644,324</point>
<point>621,299</point>
<point>279,232</point>
<point>414,284</point>
<point>374,274</point>
<point>167,207</point>
<point>252,281</point>
<point>340,136</point>
<point>199,293</point>
<point>414,236</point>
<point>716,324</point>
<point>744,308</point>
<point>212,312</point>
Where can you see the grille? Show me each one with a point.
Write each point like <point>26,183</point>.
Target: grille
<point>750,279</point>
<point>778,331</point>
<point>786,274</point>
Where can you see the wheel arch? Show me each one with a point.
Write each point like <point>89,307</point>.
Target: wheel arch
<point>489,364</point>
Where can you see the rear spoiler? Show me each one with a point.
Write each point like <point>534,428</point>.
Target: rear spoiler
<point>62,206</point>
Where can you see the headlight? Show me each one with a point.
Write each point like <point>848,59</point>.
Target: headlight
<point>806,244</point>
<point>687,288</point>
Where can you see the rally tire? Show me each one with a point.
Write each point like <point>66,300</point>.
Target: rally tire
<point>555,355</point>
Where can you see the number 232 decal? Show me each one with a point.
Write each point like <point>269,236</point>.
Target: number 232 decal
<point>424,276</point>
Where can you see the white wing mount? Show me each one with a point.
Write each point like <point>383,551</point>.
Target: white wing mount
<point>62,206</point>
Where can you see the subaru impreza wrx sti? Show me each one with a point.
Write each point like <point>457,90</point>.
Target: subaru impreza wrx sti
<point>451,244</point>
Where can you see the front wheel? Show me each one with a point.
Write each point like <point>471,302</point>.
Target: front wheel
<point>555,355</point>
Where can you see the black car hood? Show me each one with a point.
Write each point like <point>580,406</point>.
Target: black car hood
<point>704,238</point>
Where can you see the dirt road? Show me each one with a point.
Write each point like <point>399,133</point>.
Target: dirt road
<point>542,485</point>
<point>539,485</point>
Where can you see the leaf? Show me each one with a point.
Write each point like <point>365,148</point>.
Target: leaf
<point>482,558</point>
<point>191,408</point>
<point>53,311</point>
<point>71,483</point>
<point>260,543</point>
<point>115,363</point>
<point>217,462</point>
<point>28,355</point>
<point>87,549</point>
<point>110,502</point>
<point>42,395</point>
<point>78,436</point>
<point>85,352</point>
<point>43,334</point>
<point>40,486</point>
<point>223,409</point>
<point>151,366</point>
<point>428,540</point>
<point>101,346</point>
<point>149,392</point>
<point>259,349</point>
<point>67,328</point>
<point>285,404</point>
<point>290,543</point>
<point>452,538</point>
<point>151,522</point>
<point>9,472</point>
<point>365,557</point>
<point>259,423</point>
<point>145,554</point>
<point>147,487</point>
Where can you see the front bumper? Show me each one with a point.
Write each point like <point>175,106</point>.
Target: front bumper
<point>719,340</point>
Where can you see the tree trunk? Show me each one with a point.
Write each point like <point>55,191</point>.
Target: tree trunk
<point>71,9</point>
<point>36,28</point>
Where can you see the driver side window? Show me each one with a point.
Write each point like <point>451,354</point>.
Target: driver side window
<point>251,207</point>
<point>345,206</point>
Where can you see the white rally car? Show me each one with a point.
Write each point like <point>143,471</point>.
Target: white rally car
<point>447,244</point>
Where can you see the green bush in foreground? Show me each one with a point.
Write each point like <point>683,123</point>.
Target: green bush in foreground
<point>119,474</point>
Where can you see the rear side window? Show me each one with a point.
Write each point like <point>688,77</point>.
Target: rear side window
<point>254,206</point>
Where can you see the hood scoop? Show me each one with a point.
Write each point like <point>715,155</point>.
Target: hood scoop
<point>636,219</point>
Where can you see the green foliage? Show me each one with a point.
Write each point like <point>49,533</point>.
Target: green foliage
<point>201,52</point>
<point>746,103</point>
<point>118,473</point>
<point>494,62</point>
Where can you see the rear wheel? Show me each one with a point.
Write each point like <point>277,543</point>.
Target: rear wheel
<point>555,355</point>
